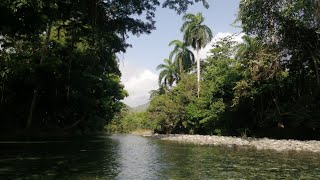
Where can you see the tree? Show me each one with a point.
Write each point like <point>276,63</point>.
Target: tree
<point>183,57</point>
<point>168,74</point>
<point>67,77</point>
<point>262,78</point>
<point>182,5</point>
<point>169,110</point>
<point>160,91</point>
<point>292,29</point>
<point>197,35</point>
<point>248,49</point>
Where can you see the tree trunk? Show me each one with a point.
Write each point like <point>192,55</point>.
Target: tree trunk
<point>181,71</point>
<point>181,68</point>
<point>198,71</point>
<point>32,107</point>
<point>46,43</point>
<point>316,70</point>
<point>70,64</point>
<point>73,125</point>
<point>35,92</point>
<point>261,108</point>
<point>2,92</point>
<point>69,76</point>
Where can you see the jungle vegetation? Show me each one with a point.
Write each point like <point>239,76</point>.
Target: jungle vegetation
<point>59,69</point>
<point>269,81</point>
<point>58,64</point>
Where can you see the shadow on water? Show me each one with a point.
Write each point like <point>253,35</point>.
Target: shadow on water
<point>85,158</point>
<point>134,157</point>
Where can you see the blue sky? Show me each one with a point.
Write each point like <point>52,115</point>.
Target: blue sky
<point>138,64</point>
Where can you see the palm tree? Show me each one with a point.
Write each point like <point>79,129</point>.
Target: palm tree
<point>183,57</point>
<point>249,48</point>
<point>197,35</point>
<point>261,60</point>
<point>157,92</point>
<point>168,74</point>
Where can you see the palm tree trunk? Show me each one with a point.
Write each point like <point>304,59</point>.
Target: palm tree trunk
<point>35,92</point>
<point>180,70</point>
<point>198,71</point>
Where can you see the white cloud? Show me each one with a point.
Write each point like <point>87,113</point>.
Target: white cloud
<point>138,82</point>
<point>205,51</point>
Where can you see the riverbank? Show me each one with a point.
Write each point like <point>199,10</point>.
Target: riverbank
<point>260,144</point>
<point>142,132</point>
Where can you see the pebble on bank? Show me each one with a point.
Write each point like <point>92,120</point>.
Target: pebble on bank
<point>260,144</point>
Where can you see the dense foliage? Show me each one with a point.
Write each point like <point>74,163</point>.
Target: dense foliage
<point>269,81</point>
<point>58,64</point>
<point>291,28</point>
<point>128,121</point>
<point>180,110</point>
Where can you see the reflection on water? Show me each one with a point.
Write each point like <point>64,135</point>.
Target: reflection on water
<point>207,162</point>
<point>134,157</point>
<point>138,158</point>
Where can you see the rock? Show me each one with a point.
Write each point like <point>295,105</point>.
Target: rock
<point>260,144</point>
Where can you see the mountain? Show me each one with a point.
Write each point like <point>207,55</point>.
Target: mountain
<point>140,108</point>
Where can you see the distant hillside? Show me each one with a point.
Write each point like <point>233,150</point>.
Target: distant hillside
<point>140,108</point>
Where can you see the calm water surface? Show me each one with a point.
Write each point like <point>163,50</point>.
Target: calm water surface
<point>134,157</point>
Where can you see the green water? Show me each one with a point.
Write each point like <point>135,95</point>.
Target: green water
<point>134,157</point>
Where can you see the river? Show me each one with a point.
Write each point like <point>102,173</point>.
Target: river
<point>135,157</point>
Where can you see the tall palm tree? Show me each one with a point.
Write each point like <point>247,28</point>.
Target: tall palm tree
<point>168,74</point>
<point>197,35</point>
<point>183,57</point>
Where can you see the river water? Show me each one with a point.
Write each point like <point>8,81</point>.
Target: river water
<point>135,157</point>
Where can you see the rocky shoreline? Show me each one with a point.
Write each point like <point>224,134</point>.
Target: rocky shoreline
<point>260,144</point>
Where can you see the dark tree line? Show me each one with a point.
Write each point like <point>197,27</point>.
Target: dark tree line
<point>58,64</point>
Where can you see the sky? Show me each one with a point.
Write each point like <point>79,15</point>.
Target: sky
<point>138,64</point>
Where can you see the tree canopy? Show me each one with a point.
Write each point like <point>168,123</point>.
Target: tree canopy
<point>267,85</point>
<point>58,64</point>
<point>183,57</point>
